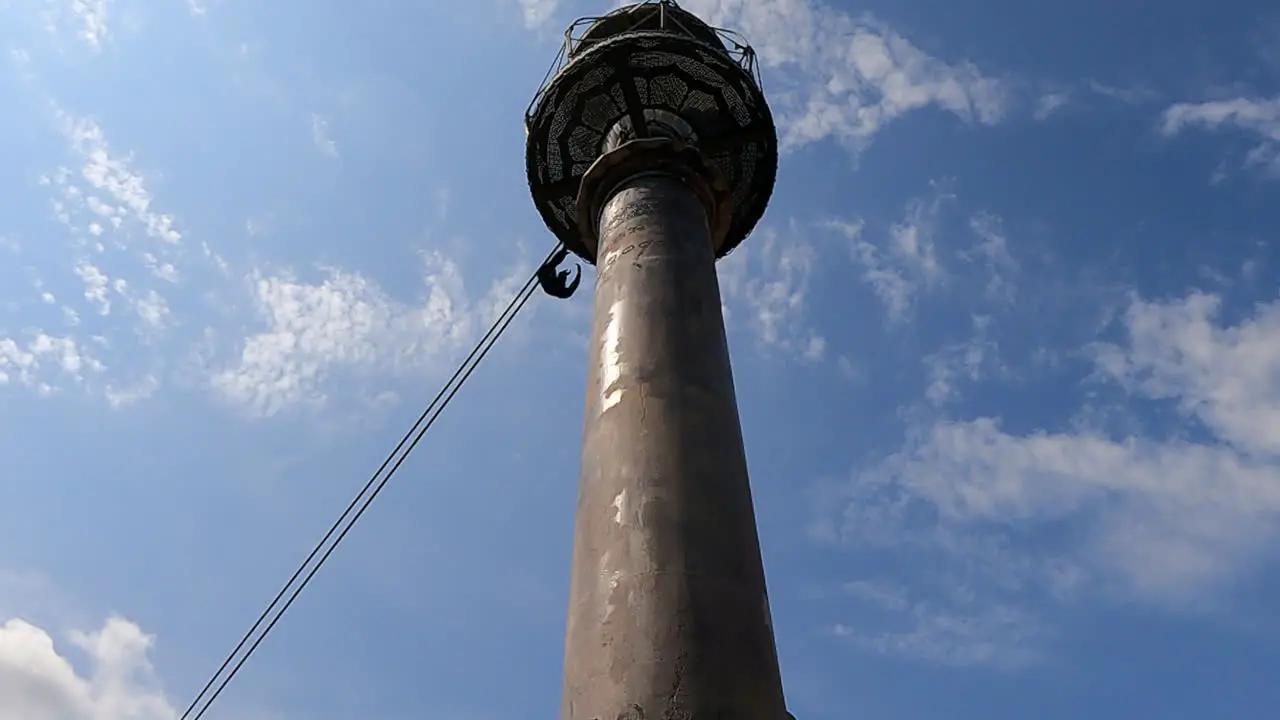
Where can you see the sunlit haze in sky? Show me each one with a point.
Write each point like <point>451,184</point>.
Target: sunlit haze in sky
<point>1006,345</point>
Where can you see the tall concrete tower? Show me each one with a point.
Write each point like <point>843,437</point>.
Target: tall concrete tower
<point>651,154</point>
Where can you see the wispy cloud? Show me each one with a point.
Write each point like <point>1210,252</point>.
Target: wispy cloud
<point>845,77</point>
<point>767,284</point>
<point>537,12</point>
<point>1021,518</point>
<point>905,262</point>
<point>1129,95</point>
<point>87,19</point>
<point>1050,103</point>
<point>969,361</point>
<point>1258,116</point>
<point>320,136</point>
<point>992,250</point>
<point>952,630</point>
<point>119,396</point>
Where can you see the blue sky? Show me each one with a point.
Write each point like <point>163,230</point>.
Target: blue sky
<point>1007,347</point>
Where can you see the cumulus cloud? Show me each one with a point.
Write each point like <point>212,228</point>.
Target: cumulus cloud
<point>1228,378</point>
<point>766,284</point>
<point>348,323</point>
<point>847,77</point>
<point>38,682</point>
<point>1258,116</point>
<point>1172,521</point>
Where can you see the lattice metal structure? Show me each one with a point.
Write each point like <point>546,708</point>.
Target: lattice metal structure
<point>617,77</point>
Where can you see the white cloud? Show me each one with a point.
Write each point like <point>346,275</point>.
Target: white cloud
<point>320,136</point>
<point>110,211</point>
<point>39,362</point>
<point>347,323</point>
<point>1172,521</point>
<point>159,268</point>
<point>96,286</point>
<point>948,631</point>
<point>118,397</point>
<point>87,19</point>
<point>912,241</point>
<point>845,77</point>
<point>122,192</point>
<point>150,306</point>
<point>1163,521</point>
<point>1255,115</point>
<point>1258,115</point>
<point>769,280</point>
<point>1049,103</point>
<point>1131,95</point>
<point>258,226</point>
<point>993,250</point>
<point>1265,156</point>
<point>152,309</point>
<point>537,12</point>
<point>969,361</point>
<point>93,18</point>
<point>905,263</point>
<point>37,682</point>
<point>1227,377</point>
<point>20,57</point>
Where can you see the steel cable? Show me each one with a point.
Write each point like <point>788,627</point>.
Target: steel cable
<point>360,503</point>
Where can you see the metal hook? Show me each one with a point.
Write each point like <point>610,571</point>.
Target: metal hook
<point>556,282</point>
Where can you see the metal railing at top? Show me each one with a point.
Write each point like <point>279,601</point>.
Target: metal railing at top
<point>575,42</point>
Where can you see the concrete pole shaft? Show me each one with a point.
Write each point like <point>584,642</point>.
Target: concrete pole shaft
<point>668,613</point>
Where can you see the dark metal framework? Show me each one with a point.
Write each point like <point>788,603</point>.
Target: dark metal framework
<point>579,36</point>
<point>632,65</point>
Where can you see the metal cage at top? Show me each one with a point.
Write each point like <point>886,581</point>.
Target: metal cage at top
<point>587,31</point>
<point>641,61</point>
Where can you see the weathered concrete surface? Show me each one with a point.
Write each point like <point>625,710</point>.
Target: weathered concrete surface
<point>668,614</point>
